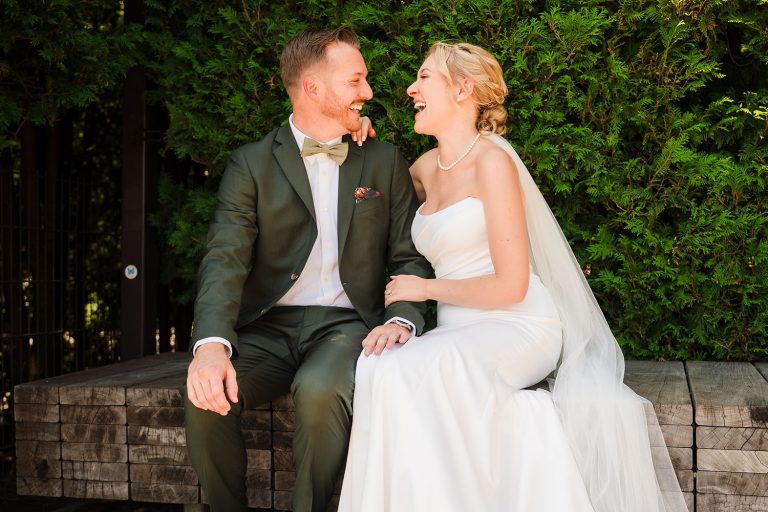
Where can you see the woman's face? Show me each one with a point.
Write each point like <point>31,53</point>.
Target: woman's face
<point>432,98</point>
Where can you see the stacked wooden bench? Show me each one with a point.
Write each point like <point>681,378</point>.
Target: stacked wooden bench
<point>117,433</point>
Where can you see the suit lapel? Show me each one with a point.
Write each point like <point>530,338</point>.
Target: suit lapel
<point>287,154</point>
<point>350,173</point>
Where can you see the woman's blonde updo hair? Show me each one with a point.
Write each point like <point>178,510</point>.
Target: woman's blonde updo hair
<point>464,60</point>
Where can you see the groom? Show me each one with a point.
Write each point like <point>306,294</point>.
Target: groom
<point>301,243</point>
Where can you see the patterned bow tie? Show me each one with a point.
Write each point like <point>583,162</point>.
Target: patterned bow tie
<point>337,152</point>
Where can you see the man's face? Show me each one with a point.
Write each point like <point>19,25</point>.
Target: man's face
<point>345,89</point>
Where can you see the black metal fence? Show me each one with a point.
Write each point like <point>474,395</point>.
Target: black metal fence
<point>60,254</point>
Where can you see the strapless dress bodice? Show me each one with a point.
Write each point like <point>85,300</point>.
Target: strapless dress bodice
<point>455,241</point>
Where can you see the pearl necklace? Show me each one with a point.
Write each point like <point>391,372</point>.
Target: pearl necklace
<point>463,155</point>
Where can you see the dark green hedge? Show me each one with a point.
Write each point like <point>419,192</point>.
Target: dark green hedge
<point>644,124</point>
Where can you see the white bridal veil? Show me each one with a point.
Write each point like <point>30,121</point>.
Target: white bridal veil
<point>613,432</point>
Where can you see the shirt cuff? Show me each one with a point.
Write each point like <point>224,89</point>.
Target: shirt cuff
<point>403,320</point>
<point>213,339</point>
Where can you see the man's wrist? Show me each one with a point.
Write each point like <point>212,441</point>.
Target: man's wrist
<point>402,322</point>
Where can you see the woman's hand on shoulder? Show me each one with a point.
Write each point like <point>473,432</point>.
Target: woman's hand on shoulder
<point>366,130</point>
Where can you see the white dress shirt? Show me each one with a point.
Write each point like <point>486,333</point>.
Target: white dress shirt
<point>319,284</point>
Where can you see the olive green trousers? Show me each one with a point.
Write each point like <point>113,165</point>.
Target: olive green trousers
<point>310,351</point>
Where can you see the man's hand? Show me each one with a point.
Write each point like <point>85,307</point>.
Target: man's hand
<point>209,372</point>
<point>385,336</point>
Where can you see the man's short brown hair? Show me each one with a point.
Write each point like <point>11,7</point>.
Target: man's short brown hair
<point>309,48</point>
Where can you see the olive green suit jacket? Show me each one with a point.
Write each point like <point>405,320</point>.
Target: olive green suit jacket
<point>263,230</point>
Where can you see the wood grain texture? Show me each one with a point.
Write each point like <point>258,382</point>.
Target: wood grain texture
<point>163,390</point>
<point>38,468</point>
<point>664,384</point>
<point>720,482</point>
<point>35,450</point>
<point>38,431</point>
<point>99,471</point>
<point>677,436</point>
<point>79,433</point>
<point>730,503</point>
<point>728,394</point>
<point>732,438</point>
<point>142,434</point>
<point>27,486</point>
<point>155,454</point>
<point>259,459</point>
<point>734,461</point>
<point>256,420</point>
<point>95,489</point>
<point>165,493</point>
<point>163,474</point>
<point>36,413</point>
<point>94,452</point>
<point>97,414</point>
<point>155,416</point>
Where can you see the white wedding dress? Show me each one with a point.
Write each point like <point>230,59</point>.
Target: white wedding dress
<point>444,422</point>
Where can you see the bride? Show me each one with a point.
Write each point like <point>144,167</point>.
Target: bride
<point>444,421</point>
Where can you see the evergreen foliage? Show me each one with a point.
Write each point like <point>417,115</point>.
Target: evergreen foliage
<point>644,124</point>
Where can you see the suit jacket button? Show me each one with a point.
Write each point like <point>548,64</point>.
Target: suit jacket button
<point>294,277</point>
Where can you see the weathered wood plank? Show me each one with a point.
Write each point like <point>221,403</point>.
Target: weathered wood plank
<point>281,500</point>
<point>78,433</point>
<point>97,414</point>
<point>682,458</point>
<point>257,439</point>
<point>259,459</point>
<point>32,393</point>
<point>46,391</point>
<point>256,420</point>
<point>36,413</point>
<point>95,489</point>
<point>678,436</point>
<point>284,480</point>
<point>26,486</point>
<point>728,394</point>
<point>110,388</point>
<point>284,421</point>
<point>734,461</point>
<point>720,482</point>
<point>94,452</point>
<point>165,493</point>
<point>38,468</point>
<point>142,434</point>
<point>163,474</point>
<point>156,454</point>
<point>763,369</point>
<point>163,391</point>
<point>732,438</point>
<point>38,431</point>
<point>685,479</point>
<point>730,503</point>
<point>259,498</point>
<point>283,460</point>
<point>258,478</point>
<point>96,471</point>
<point>664,384</point>
<point>34,450</point>
<point>283,403</point>
<point>282,441</point>
<point>690,499</point>
<point>156,416</point>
